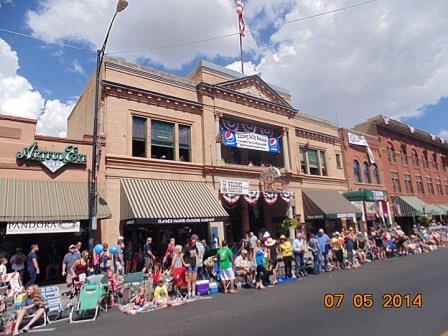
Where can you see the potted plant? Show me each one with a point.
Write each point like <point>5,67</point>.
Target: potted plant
<point>289,226</point>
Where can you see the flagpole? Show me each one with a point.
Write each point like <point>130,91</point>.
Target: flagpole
<point>241,53</point>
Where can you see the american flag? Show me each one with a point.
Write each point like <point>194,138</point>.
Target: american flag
<point>241,20</point>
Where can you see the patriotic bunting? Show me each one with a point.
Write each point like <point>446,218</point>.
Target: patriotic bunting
<point>231,199</point>
<point>230,125</point>
<point>270,197</point>
<point>253,197</point>
<point>286,196</point>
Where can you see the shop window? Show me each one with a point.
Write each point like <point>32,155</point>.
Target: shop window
<point>396,182</point>
<point>420,187</point>
<point>415,159</point>
<point>357,171</point>
<point>391,153</point>
<point>162,140</point>
<point>376,174</point>
<point>338,161</point>
<point>323,163</point>
<point>430,185</point>
<point>138,137</point>
<point>408,184</point>
<point>366,173</point>
<point>303,161</point>
<point>184,143</point>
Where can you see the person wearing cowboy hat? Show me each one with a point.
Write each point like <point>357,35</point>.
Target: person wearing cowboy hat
<point>286,252</point>
<point>272,249</point>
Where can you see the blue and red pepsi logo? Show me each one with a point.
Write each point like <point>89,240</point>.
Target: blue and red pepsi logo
<point>273,142</point>
<point>229,136</point>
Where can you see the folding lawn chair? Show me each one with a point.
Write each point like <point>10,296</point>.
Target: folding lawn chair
<point>52,296</point>
<point>88,305</point>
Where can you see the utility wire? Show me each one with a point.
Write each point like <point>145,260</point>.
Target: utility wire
<point>181,44</point>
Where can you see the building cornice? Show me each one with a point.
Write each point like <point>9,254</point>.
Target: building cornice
<point>18,119</point>
<point>317,136</point>
<point>121,161</point>
<point>244,99</point>
<point>127,92</point>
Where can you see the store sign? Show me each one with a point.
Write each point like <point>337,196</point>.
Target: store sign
<point>234,187</point>
<point>53,161</point>
<point>42,227</point>
<point>185,220</point>
<point>252,141</point>
<point>378,195</point>
<point>346,215</point>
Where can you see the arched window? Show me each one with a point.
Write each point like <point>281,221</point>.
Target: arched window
<point>435,163</point>
<point>425,159</point>
<point>357,171</point>
<point>391,153</point>
<point>366,173</point>
<point>376,174</point>
<point>415,158</point>
<point>404,155</point>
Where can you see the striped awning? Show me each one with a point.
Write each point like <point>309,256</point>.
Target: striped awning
<point>34,200</point>
<point>169,202</point>
<point>409,206</point>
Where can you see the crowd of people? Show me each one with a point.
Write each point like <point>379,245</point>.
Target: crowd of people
<point>257,262</point>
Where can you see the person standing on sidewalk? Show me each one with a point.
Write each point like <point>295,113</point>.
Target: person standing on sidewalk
<point>148,255</point>
<point>298,246</point>
<point>324,245</point>
<point>225,257</point>
<point>67,263</point>
<point>32,265</point>
<point>313,244</point>
<point>286,252</point>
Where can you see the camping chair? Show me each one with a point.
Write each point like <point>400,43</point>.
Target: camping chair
<point>101,281</point>
<point>88,305</point>
<point>131,283</point>
<point>52,296</point>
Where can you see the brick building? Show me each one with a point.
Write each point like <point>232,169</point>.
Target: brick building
<point>362,160</point>
<point>414,165</point>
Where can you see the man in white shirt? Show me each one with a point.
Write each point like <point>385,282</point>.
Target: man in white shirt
<point>298,246</point>
<point>243,267</point>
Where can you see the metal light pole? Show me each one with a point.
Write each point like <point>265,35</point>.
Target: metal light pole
<point>96,152</point>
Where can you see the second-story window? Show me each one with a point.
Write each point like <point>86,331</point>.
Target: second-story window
<point>303,161</point>
<point>313,162</point>
<point>396,182</point>
<point>184,143</point>
<point>357,171</point>
<point>338,161</point>
<point>415,159</point>
<point>430,185</point>
<point>439,187</point>
<point>138,137</point>
<point>376,174</point>
<point>366,173</point>
<point>162,140</point>
<point>408,184</point>
<point>323,163</point>
<point>420,187</point>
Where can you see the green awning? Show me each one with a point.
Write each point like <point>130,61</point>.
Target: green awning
<point>360,195</point>
<point>34,200</point>
<point>409,206</point>
<point>434,209</point>
<point>444,208</point>
<point>321,204</point>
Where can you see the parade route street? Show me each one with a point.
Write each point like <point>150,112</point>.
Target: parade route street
<point>297,308</point>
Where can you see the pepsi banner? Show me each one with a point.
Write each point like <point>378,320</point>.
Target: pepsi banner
<point>252,141</point>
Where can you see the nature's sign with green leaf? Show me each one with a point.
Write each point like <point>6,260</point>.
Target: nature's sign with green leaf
<point>53,161</point>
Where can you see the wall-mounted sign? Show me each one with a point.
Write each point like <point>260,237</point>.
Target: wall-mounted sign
<point>270,179</point>
<point>252,141</point>
<point>234,187</point>
<point>378,195</point>
<point>53,161</point>
<point>42,227</point>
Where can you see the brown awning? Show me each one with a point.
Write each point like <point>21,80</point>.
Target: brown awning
<point>34,200</point>
<point>169,202</point>
<point>321,204</point>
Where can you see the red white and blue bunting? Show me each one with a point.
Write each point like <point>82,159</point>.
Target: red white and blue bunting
<point>270,197</point>
<point>253,197</point>
<point>286,196</point>
<point>235,126</point>
<point>231,199</point>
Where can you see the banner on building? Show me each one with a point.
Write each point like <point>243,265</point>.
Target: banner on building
<point>252,141</point>
<point>234,187</point>
<point>42,227</point>
<point>360,140</point>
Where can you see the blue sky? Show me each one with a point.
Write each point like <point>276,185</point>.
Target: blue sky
<point>355,64</point>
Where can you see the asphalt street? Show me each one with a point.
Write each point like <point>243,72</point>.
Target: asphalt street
<point>297,308</point>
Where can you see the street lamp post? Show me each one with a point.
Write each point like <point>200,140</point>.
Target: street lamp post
<point>96,152</point>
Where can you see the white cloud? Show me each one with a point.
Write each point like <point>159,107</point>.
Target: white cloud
<point>76,67</point>
<point>18,98</point>
<point>5,2</point>
<point>384,58</point>
<point>144,24</point>
<point>443,134</point>
<point>249,67</point>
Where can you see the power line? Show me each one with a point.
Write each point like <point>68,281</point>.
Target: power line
<point>181,44</point>
<point>65,45</point>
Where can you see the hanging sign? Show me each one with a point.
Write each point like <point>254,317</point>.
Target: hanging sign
<point>252,141</point>
<point>234,187</point>
<point>41,227</point>
<point>356,139</point>
<point>53,161</point>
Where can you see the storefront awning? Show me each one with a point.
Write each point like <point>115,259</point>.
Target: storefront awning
<point>327,204</point>
<point>444,208</point>
<point>434,209</point>
<point>36,201</point>
<point>365,195</point>
<point>169,202</point>
<point>409,206</point>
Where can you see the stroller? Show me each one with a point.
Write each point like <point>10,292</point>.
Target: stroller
<point>179,285</point>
